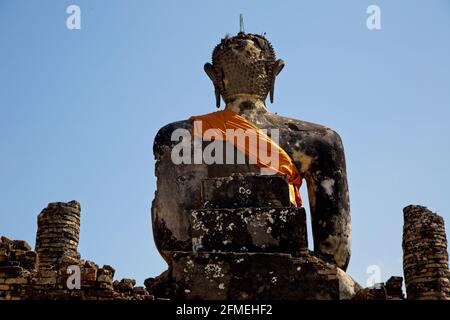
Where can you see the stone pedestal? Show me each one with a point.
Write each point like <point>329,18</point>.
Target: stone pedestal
<point>274,230</point>
<point>247,242</point>
<point>258,276</point>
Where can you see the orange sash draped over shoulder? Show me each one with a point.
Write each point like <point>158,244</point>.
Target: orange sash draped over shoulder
<point>217,124</point>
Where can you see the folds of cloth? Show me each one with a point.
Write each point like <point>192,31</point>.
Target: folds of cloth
<point>260,149</point>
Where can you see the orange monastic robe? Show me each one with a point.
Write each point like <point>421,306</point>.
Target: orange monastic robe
<point>221,121</point>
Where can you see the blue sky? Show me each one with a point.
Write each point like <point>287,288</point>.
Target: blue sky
<point>79,109</point>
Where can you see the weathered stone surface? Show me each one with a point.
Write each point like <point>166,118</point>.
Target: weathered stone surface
<point>105,283</point>
<point>318,153</point>
<point>124,285</point>
<point>425,256</point>
<point>16,253</point>
<point>108,270</point>
<point>243,276</point>
<point>391,290</point>
<point>171,219</point>
<point>88,274</point>
<point>249,190</point>
<point>26,259</point>
<point>58,234</point>
<point>46,281</point>
<point>16,281</point>
<point>56,245</point>
<point>4,287</point>
<point>394,289</point>
<point>140,291</point>
<point>21,245</point>
<point>160,286</point>
<point>377,292</point>
<point>11,271</point>
<point>275,229</point>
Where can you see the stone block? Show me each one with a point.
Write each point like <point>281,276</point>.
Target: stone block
<point>26,259</point>
<point>16,281</point>
<point>45,281</point>
<point>249,276</point>
<point>394,289</point>
<point>107,270</point>
<point>280,230</point>
<point>377,292</point>
<point>88,274</point>
<point>20,245</point>
<point>248,190</point>
<point>105,282</point>
<point>124,285</point>
<point>11,271</point>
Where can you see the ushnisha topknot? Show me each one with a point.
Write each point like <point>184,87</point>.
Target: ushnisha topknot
<point>244,64</point>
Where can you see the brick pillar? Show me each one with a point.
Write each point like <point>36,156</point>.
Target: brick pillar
<point>57,235</point>
<point>425,257</point>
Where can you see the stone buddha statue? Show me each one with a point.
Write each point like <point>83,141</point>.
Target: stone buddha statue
<point>243,73</point>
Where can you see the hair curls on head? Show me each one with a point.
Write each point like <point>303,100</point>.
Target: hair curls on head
<point>243,64</point>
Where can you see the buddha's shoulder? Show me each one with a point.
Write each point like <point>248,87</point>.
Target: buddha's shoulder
<point>295,124</point>
<point>166,134</point>
<point>301,128</point>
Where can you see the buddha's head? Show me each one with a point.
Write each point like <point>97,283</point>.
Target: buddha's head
<point>243,66</point>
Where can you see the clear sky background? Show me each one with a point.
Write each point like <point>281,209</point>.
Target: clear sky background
<point>79,109</point>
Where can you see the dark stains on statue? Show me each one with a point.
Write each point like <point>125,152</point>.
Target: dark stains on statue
<point>246,106</point>
<point>318,153</point>
<point>243,76</point>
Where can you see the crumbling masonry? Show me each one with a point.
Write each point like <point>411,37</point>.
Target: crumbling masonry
<point>425,257</point>
<point>42,274</point>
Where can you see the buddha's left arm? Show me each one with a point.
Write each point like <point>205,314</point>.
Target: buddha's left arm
<point>326,178</point>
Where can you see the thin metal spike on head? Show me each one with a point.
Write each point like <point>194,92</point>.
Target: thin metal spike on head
<point>241,23</point>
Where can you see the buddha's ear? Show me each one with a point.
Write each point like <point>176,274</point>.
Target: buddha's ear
<point>209,69</point>
<point>277,67</point>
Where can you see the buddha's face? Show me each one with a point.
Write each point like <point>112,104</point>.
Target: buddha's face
<point>243,65</point>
